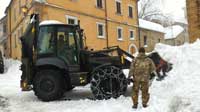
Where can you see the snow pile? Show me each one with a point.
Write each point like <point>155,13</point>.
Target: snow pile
<point>179,92</point>
<point>151,26</point>
<point>172,32</point>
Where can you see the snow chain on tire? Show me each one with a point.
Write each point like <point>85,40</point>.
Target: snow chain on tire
<point>108,81</point>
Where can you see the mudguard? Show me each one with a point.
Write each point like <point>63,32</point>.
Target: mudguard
<point>52,61</point>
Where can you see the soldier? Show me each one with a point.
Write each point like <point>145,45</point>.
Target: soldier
<point>61,42</point>
<point>140,69</point>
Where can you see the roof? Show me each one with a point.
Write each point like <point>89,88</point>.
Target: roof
<point>151,26</point>
<point>41,1</point>
<point>50,22</point>
<point>172,32</point>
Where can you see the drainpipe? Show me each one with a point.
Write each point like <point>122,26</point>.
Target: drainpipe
<point>138,23</point>
<point>106,15</point>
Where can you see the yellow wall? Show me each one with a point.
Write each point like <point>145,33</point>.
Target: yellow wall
<point>16,26</point>
<point>126,41</point>
<point>123,18</point>
<point>88,14</point>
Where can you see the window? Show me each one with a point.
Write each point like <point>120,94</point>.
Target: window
<point>101,30</point>
<point>130,11</point>
<point>4,28</point>
<point>131,34</point>
<point>19,34</point>
<point>15,40</point>
<point>46,40</point>
<point>159,40</point>
<point>15,14</point>
<point>66,44</point>
<point>118,6</point>
<point>5,45</point>
<point>145,41</point>
<point>19,6</point>
<point>100,3</point>
<point>22,31</point>
<point>119,33</point>
<point>72,20</point>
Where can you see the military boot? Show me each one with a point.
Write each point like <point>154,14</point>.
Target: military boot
<point>134,106</point>
<point>144,105</point>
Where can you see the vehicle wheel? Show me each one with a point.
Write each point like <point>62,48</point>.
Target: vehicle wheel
<point>70,88</point>
<point>68,85</point>
<point>108,82</point>
<point>48,85</point>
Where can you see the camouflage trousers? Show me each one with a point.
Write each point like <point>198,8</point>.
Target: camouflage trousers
<point>144,87</point>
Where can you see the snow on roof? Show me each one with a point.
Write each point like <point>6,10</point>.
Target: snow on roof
<point>172,32</point>
<point>181,20</point>
<point>151,26</point>
<point>40,1</point>
<point>50,22</point>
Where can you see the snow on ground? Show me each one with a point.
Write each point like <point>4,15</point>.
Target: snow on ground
<point>179,92</point>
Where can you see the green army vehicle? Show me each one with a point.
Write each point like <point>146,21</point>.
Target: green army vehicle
<point>54,61</point>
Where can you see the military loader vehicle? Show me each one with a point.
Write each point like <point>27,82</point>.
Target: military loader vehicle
<point>54,60</point>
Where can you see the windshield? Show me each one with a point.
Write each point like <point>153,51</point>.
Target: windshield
<point>46,40</point>
<point>66,44</point>
<point>65,38</point>
<point>62,41</point>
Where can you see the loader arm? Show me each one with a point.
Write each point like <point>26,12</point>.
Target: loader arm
<point>28,41</point>
<point>121,54</point>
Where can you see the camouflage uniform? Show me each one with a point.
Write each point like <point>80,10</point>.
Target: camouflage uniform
<point>140,69</point>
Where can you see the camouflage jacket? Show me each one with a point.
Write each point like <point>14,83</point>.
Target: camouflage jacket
<point>141,68</point>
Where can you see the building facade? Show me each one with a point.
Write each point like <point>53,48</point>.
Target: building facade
<point>193,12</point>
<point>3,36</point>
<point>177,41</point>
<point>105,22</point>
<point>175,35</point>
<point>150,38</point>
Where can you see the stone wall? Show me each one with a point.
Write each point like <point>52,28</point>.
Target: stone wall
<point>153,38</point>
<point>193,12</point>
